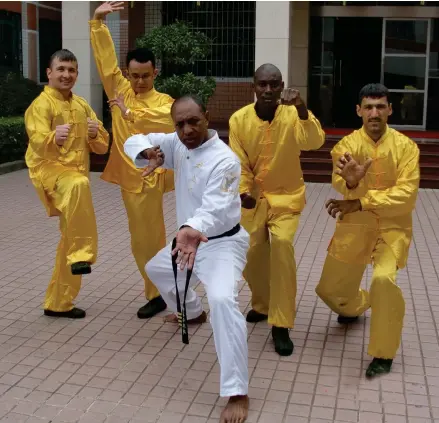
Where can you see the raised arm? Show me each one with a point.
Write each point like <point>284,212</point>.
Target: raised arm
<point>136,144</point>
<point>339,183</point>
<point>308,132</point>
<point>104,51</point>
<point>401,198</point>
<point>220,210</point>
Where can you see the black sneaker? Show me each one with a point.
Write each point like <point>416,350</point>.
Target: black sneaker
<point>150,309</point>
<point>283,345</point>
<point>345,320</point>
<point>74,313</point>
<point>379,366</point>
<point>81,268</point>
<point>255,317</point>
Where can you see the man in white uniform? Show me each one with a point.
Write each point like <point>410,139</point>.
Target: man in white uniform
<point>207,175</point>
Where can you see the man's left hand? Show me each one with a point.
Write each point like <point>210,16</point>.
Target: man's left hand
<point>188,240</point>
<point>93,128</point>
<point>342,207</point>
<point>291,97</point>
<point>118,101</point>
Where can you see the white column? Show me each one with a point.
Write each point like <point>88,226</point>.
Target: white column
<point>273,35</point>
<point>76,37</point>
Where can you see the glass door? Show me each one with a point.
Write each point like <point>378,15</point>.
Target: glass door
<point>405,64</point>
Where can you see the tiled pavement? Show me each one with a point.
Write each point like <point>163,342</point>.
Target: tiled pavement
<point>112,367</point>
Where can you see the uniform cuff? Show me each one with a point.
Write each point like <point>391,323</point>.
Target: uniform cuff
<point>365,204</point>
<point>194,224</point>
<point>95,23</point>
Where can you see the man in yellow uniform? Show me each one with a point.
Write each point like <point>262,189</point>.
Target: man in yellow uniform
<point>138,108</point>
<point>376,169</point>
<point>268,137</point>
<point>62,130</point>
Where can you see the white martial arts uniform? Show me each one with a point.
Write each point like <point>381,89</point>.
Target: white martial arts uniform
<point>207,197</point>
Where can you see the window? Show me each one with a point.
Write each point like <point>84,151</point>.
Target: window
<point>11,59</point>
<point>50,40</point>
<point>231,26</point>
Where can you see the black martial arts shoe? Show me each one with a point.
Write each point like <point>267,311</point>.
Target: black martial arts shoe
<point>81,268</point>
<point>345,320</point>
<point>150,309</point>
<point>74,313</point>
<point>254,316</point>
<point>379,366</point>
<point>283,345</point>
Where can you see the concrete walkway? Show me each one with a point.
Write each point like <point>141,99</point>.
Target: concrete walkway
<point>112,367</point>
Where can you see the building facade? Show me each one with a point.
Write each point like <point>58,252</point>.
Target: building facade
<point>328,50</point>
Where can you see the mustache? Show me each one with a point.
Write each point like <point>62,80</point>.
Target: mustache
<point>375,120</point>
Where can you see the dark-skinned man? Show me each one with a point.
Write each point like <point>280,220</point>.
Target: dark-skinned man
<point>136,107</point>
<point>267,137</point>
<point>376,169</point>
<point>210,239</point>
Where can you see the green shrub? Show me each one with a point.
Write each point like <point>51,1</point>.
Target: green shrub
<point>13,139</point>
<point>177,48</point>
<point>16,94</point>
<point>179,85</point>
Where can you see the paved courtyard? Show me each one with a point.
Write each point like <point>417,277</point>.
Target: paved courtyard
<point>113,368</point>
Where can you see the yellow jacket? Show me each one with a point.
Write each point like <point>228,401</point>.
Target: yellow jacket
<point>150,112</point>
<point>387,193</point>
<point>270,154</point>
<point>47,111</point>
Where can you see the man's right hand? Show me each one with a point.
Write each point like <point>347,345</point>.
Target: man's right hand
<point>350,170</point>
<point>61,133</point>
<point>247,201</point>
<point>106,8</point>
<point>156,159</point>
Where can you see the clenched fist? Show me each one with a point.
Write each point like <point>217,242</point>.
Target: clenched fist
<point>291,97</point>
<point>93,128</point>
<point>61,133</point>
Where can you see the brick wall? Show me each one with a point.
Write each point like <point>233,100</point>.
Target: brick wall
<point>227,99</point>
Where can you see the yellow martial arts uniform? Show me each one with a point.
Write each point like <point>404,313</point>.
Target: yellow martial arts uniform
<point>60,176</point>
<point>143,197</point>
<point>379,234</point>
<point>271,173</point>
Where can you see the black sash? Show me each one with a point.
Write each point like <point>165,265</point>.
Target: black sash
<point>181,311</point>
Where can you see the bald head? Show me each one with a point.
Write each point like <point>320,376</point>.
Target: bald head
<point>268,70</point>
<point>268,86</point>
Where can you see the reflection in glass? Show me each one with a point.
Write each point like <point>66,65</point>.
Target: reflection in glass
<point>406,37</point>
<point>402,73</point>
<point>321,59</point>
<point>408,108</point>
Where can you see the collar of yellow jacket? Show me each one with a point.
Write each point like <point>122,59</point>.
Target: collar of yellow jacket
<point>55,93</point>
<point>369,139</point>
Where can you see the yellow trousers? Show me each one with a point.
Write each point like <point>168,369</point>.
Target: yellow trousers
<point>271,265</point>
<point>339,288</point>
<point>146,222</point>
<point>69,193</point>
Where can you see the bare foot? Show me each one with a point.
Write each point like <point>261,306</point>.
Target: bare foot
<point>236,410</point>
<point>172,318</point>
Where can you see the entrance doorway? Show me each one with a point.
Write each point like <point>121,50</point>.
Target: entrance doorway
<point>345,55</point>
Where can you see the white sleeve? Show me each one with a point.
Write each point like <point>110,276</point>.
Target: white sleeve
<point>137,143</point>
<point>220,210</point>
